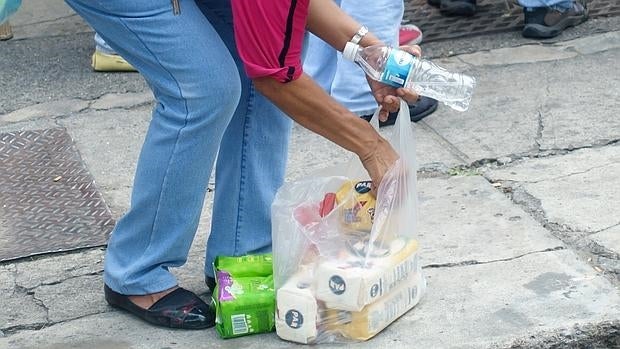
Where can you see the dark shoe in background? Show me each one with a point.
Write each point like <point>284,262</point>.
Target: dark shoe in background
<point>458,7</point>
<point>210,283</point>
<point>545,22</point>
<point>434,3</point>
<point>178,309</point>
<point>422,108</point>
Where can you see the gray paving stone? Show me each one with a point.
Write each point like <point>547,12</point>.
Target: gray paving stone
<point>494,126</point>
<point>569,114</point>
<point>122,100</point>
<point>109,143</point>
<point>7,278</point>
<point>56,19</point>
<point>49,109</point>
<point>73,298</point>
<point>594,43</point>
<point>57,268</point>
<point>610,239</point>
<point>20,310</point>
<point>569,187</point>
<point>511,116</point>
<point>517,55</point>
<point>466,219</point>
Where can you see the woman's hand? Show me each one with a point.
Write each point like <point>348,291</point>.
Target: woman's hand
<point>378,160</point>
<point>387,96</point>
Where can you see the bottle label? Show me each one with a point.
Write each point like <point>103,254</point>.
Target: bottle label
<point>397,68</point>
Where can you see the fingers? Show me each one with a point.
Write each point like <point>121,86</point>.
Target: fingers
<point>413,49</point>
<point>408,95</point>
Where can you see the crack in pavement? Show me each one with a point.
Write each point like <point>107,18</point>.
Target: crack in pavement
<point>539,131</point>
<point>443,141</point>
<point>604,229</point>
<point>46,21</point>
<point>9,331</point>
<point>572,173</point>
<point>474,262</point>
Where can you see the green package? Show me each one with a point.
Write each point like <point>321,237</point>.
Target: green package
<point>244,301</point>
<point>249,265</point>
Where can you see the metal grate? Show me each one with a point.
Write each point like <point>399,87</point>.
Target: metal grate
<point>492,16</point>
<point>48,200</point>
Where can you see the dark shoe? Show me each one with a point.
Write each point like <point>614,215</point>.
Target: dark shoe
<point>545,22</point>
<point>458,7</point>
<point>423,107</point>
<point>434,3</point>
<point>210,283</point>
<point>178,309</point>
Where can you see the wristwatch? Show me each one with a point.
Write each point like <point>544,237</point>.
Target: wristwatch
<point>363,30</point>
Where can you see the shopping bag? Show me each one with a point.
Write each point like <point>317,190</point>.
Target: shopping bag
<point>346,264</point>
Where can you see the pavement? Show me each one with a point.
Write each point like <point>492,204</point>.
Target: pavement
<point>519,196</point>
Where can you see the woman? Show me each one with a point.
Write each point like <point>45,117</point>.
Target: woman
<point>218,90</point>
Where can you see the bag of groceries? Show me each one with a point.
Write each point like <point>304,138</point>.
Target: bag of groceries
<point>346,264</point>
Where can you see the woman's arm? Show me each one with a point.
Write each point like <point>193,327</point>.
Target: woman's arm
<point>306,103</point>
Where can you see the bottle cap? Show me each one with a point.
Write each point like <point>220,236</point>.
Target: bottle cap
<point>349,51</point>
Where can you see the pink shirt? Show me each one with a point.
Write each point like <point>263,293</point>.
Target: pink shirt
<point>269,36</point>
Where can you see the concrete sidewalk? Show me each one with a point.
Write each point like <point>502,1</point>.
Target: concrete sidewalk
<point>519,196</point>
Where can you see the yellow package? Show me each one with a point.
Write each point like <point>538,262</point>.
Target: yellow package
<point>373,318</point>
<point>357,205</point>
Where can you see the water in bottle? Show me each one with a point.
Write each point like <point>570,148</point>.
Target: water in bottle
<point>399,68</point>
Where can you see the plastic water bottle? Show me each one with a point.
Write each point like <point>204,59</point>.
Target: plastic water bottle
<point>399,68</point>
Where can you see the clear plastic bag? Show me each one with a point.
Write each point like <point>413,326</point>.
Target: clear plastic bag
<point>346,265</point>
<point>8,8</point>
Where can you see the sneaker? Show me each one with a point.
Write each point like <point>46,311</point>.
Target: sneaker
<point>409,34</point>
<point>424,107</point>
<point>109,62</point>
<point>546,22</point>
<point>458,7</point>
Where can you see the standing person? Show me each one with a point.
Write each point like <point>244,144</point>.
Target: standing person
<point>548,18</point>
<point>194,62</point>
<point>344,80</point>
<point>543,18</point>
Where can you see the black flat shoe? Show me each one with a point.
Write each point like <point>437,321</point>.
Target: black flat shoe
<point>178,309</point>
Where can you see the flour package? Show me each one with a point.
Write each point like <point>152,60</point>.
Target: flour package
<point>346,264</point>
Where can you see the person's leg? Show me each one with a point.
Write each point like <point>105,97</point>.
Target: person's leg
<point>548,18</point>
<point>565,4</point>
<point>196,85</point>
<point>383,18</point>
<point>251,163</point>
<point>350,86</point>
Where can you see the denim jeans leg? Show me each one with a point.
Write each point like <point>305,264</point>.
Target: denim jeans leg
<point>197,88</point>
<point>342,79</point>
<point>383,18</point>
<point>251,162</point>
<point>561,4</point>
<point>320,61</point>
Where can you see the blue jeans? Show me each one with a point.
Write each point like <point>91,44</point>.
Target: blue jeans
<point>342,79</point>
<point>204,104</point>
<point>559,4</point>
